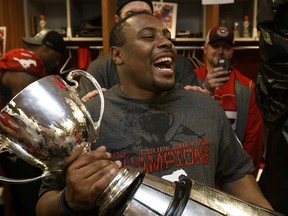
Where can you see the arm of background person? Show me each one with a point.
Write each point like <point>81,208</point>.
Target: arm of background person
<point>17,81</point>
<point>247,189</point>
<point>86,178</point>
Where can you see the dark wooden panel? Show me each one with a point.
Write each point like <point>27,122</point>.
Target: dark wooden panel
<point>12,16</point>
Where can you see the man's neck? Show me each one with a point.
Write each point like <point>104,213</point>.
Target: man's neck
<point>141,94</point>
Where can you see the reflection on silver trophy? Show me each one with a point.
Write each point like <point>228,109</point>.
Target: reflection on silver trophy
<point>47,121</point>
<point>134,193</point>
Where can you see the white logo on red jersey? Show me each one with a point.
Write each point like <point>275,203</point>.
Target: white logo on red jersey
<point>25,63</point>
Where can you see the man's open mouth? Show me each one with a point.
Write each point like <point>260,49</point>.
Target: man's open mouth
<point>163,64</point>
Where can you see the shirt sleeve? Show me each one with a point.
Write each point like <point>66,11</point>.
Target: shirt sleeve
<point>233,162</point>
<point>53,182</point>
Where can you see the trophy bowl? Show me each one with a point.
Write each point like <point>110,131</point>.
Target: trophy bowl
<point>47,122</point>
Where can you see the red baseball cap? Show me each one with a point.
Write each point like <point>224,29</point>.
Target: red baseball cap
<point>220,33</point>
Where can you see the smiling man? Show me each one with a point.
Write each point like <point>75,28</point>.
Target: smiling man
<point>154,124</point>
<point>104,70</point>
<point>155,67</point>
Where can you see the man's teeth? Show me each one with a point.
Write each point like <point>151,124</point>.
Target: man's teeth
<point>165,69</point>
<point>164,59</point>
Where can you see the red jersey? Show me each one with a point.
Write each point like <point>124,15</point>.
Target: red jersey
<point>253,133</point>
<point>20,60</point>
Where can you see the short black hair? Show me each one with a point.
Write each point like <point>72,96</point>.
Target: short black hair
<point>117,37</point>
<point>122,3</point>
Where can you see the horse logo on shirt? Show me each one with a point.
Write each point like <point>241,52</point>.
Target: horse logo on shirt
<point>175,176</point>
<point>25,63</point>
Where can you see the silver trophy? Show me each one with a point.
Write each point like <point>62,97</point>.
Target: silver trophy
<point>46,122</point>
<point>134,193</point>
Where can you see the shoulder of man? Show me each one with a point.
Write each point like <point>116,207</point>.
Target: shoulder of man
<point>18,52</point>
<point>102,59</point>
<point>101,62</point>
<point>245,81</point>
<point>182,62</point>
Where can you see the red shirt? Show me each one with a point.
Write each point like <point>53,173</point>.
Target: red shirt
<point>21,60</point>
<point>253,140</point>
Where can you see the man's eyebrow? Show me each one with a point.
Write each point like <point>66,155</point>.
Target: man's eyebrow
<point>149,28</point>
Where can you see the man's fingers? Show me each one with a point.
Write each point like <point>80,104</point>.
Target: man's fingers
<point>91,94</point>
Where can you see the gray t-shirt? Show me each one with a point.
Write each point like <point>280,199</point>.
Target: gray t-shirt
<point>183,131</point>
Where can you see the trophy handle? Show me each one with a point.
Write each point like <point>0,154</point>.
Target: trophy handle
<point>21,181</point>
<point>7,145</point>
<point>76,73</point>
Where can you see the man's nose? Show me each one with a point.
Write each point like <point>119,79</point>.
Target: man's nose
<point>165,42</point>
<point>221,49</point>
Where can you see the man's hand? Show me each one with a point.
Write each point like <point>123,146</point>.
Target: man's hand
<point>196,88</point>
<point>215,78</point>
<point>87,177</point>
<point>91,94</point>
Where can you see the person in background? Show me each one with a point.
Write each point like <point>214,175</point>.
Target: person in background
<point>147,112</point>
<point>272,97</point>
<point>18,68</point>
<point>104,70</point>
<point>234,92</point>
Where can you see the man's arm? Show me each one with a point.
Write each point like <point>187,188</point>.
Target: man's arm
<point>86,178</point>
<point>247,189</point>
<point>17,81</point>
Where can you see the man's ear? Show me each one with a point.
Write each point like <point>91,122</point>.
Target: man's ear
<point>116,18</point>
<point>116,55</point>
<point>205,48</point>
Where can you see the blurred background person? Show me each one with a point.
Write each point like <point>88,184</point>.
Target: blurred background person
<point>272,96</point>
<point>234,92</point>
<point>19,68</point>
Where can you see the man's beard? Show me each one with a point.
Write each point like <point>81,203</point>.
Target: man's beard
<point>161,86</point>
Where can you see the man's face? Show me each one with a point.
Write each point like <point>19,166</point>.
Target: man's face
<point>132,7</point>
<point>148,55</point>
<point>216,50</point>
